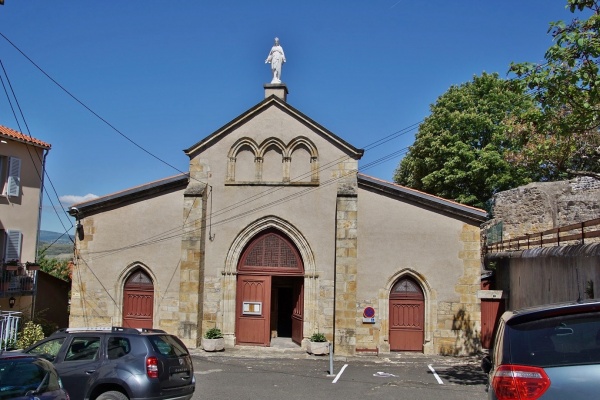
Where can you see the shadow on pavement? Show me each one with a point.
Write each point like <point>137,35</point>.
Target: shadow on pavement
<point>463,375</point>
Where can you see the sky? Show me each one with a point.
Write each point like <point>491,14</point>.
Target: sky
<point>120,88</point>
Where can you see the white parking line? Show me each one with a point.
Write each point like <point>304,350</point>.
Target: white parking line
<point>436,375</point>
<point>339,373</point>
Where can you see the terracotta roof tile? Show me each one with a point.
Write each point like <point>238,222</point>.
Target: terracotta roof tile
<point>20,137</point>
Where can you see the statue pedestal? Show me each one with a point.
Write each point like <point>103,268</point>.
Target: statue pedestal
<point>278,89</point>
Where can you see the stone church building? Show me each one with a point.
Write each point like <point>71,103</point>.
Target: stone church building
<point>274,233</point>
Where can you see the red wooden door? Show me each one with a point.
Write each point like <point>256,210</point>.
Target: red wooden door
<point>138,301</point>
<point>253,310</point>
<point>407,316</point>
<point>491,311</point>
<point>298,313</point>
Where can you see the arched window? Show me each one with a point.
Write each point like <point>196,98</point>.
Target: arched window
<point>406,288</point>
<point>139,279</point>
<point>271,252</point>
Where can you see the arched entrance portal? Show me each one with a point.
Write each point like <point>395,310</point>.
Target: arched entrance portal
<point>138,300</point>
<point>270,292</point>
<point>407,316</point>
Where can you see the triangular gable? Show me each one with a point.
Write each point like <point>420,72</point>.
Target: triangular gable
<point>472,214</point>
<point>274,101</point>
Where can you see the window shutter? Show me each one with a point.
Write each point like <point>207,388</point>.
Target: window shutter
<point>13,246</point>
<point>14,176</point>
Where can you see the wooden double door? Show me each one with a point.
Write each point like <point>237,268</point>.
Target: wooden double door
<point>269,306</point>
<point>270,290</point>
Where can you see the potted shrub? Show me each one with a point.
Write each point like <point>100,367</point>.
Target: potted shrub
<point>213,340</point>
<point>318,344</point>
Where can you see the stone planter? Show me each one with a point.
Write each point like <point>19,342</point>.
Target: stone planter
<point>318,348</point>
<point>213,344</point>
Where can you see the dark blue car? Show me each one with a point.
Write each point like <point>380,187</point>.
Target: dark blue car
<point>23,376</point>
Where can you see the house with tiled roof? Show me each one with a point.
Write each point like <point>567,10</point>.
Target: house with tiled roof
<point>273,235</point>
<point>22,162</point>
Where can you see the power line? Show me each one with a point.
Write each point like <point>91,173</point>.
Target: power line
<point>88,108</point>
<point>27,146</point>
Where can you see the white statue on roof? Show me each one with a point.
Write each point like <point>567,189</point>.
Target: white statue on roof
<point>276,58</point>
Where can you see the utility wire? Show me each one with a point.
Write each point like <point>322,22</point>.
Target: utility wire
<point>27,146</point>
<point>89,109</point>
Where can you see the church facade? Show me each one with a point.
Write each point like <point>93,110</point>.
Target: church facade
<point>274,233</point>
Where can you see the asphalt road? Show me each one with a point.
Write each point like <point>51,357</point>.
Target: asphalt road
<point>415,377</point>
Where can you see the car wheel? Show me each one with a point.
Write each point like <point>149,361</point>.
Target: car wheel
<point>112,395</point>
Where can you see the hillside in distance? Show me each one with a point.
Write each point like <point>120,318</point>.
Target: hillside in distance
<point>56,245</point>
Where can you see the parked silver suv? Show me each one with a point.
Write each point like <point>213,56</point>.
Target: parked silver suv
<point>549,352</point>
<point>119,363</point>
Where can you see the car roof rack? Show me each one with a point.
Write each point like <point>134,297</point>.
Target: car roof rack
<point>119,329</point>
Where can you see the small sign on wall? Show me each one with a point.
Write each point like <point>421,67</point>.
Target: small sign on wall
<point>369,315</point>
<point>252,308</point>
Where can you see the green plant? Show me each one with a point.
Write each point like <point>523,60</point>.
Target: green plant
<point>318,337</point>
<point>31,333</point>
<point>8,344</point>
<point>213,333</point>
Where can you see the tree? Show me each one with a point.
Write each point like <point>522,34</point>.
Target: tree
<point>55,267</point>
<point>458,152</point>
<point>563,137</point>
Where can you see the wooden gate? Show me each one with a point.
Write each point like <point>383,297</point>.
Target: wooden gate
<point>253,310</point>
<point>407,316</point>
<point>138,301</point>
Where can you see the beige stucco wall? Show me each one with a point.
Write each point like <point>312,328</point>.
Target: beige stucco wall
<point>355,244</point>
<point>439,251</point>
<point>22,213</point>
<point>145,233</point>
<point>306,213</point>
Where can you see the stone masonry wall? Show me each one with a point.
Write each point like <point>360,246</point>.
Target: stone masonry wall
<point>459,323</point>
<point>545,205</point>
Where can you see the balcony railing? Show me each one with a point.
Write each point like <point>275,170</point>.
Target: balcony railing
<point>580,233</point>
<point>9,326</point>
<point>18,279</point>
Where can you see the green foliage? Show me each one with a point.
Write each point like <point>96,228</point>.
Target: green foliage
<point>8,344</point>
<point>213,333</point>
<point>458,153</point>
<point>318,337</point>
<point>30,334</point>
<point>55,267</point>
<point>563,137</point>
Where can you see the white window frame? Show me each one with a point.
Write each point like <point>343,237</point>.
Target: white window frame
<point>10,176</point>
<point>12,242</point>
<point>14,177</point>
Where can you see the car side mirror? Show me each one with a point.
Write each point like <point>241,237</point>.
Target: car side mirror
<point>486,364</point>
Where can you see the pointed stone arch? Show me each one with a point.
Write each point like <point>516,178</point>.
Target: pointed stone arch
<point>429,315</point>
<point>311,283</point>
<point>137,288</point>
